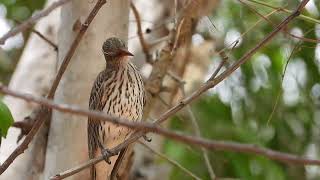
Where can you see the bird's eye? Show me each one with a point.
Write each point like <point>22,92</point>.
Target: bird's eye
<point>104,52</point>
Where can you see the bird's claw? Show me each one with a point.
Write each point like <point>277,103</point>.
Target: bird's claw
<point>146,138</point>
<point>106,153</point>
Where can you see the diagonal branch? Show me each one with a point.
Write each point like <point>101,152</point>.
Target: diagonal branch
<point>28,23</point>
<point>144,45</point>
<point>43,37</point>
<point>302,17</point>
<point>43,112</point>
<point>284,30</point>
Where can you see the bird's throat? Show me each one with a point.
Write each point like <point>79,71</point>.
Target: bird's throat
<point>117,63</point>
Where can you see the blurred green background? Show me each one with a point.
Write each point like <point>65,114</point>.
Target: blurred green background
<point>239,109</point>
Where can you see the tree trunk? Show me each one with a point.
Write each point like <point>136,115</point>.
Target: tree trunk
<point>67,143</point>
<point>33,75</point>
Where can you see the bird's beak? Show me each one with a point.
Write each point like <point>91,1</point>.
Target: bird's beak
<point>124,52</point>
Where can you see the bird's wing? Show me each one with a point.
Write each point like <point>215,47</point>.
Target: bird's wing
<point>97,102</point>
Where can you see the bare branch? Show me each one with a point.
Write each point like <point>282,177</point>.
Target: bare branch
<point>144,45</point>
<point>302,17</point>
<point>43,37</point>
<point>55,47</point>
<point>28,23</point>
<point>74,46</point>
<point>282,77</point>
<point>285,31</point>
<point>44,112</point>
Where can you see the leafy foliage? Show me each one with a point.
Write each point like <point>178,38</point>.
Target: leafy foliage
<point>241,110</point>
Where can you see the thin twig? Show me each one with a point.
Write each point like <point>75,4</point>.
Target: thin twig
<point>192,116</point>
<point>176,39</point>
<point>22,125</point>
<point>144,45</point>
<point>302,17</point>
<point>175,77</point>
<point>221,64</point>
<point>43,112</point>
<point>28,23</point>
<point>43,37</point>
<point>173,162</point>
<point>74,46</point>
<point>196,128</point>
<point>175,10</point>
<point>55,47</point>
<point>284,30</point>
<point>232,44</point>
<point>282,77</point>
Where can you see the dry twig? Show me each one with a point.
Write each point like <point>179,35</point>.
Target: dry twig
<point>302,17</point>
<point>144,45</point>
<point>216,145</point>
<point>43,37</point>
<point>55,47</point>
<point>284,30</point>
<point>28,23</point>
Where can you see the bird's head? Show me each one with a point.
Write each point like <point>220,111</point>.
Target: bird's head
<point>114,49</point>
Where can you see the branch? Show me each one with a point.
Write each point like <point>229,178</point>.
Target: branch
<point>55,47</point>
<point>296,47</point>
<point>302,17</point>
<point>74,46</point>
<point>285,31</point>
<point>43,37</point>
<point>43,112</point>
<point>28,23</point>
<point>144,45</point>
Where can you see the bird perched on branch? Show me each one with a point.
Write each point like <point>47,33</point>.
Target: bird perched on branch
<point>118,91</point>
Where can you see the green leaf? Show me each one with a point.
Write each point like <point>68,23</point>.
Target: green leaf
<point>6,119</point>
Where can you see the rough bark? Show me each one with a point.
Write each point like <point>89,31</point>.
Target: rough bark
<point>33,75</point>
<point>67,142</point>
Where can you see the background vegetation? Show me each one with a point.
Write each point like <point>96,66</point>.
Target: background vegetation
<point>246,108</point>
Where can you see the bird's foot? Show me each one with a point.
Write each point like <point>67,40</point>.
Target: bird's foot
<point>146,138</point>
<point>106,153</point>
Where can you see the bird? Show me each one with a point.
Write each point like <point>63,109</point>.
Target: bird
<point>118,90</point>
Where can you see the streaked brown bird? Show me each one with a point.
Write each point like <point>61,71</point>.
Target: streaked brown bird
<point>118,91</point>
